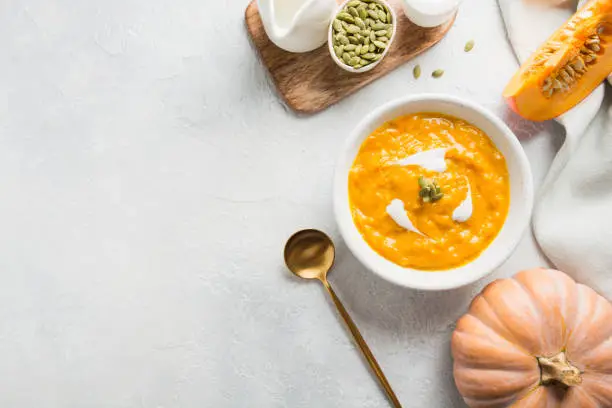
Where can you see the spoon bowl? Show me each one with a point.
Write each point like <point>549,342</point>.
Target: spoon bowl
<point>310,254</point>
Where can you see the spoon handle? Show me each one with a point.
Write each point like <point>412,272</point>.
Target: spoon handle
<point>363,346</point>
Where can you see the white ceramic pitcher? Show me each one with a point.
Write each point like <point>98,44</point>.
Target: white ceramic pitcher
<point>297,25</point>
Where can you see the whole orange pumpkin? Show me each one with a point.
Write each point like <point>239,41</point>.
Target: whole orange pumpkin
<point>538,339</point>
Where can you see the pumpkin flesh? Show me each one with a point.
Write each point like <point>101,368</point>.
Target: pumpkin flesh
<point>532,93</point>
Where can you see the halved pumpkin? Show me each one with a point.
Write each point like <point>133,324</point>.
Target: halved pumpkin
<point>567,67</point>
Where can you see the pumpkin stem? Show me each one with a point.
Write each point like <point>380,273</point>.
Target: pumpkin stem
<point>558,369</point>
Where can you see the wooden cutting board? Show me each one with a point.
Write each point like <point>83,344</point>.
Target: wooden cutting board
<point>310,82</point>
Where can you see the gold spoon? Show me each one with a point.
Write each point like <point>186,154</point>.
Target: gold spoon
<point>310,254</point>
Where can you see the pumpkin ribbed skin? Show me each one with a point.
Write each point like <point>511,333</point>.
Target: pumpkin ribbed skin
<point>537,313</point>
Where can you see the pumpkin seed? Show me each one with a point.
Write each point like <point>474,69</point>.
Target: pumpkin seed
<point>368,56</point>
<point>379,26</point>
<point>353,29</point>
<point>358,50</point>
<point>353,3</point>
<point>366,40</point>
<point>365,48</point>
<point>383,39</point>
<point>353,12</point>
<point>578,64</point>
<point>372,48</point>
<point>350,47</point>
<point>342,39</point>
<point>372,6</point>
<point>370,22</point>
<point>388,16</point>
<point>344,24</point>
<point>339,49</point>
<point>548,93</point>
<point>595,47</point>
<point>437,73</point>
<point>382,16</point>
<point>344,16</point>
<point>380,44</point>
<point>416,71</point>
<point>363,13</point>
<point>359,22</point>
<point>373,36</point>
<point>568,79</point>
<point>380,33</point>
<point>346,57</point>
<point>354,61</point>
<point>337,24</point>
<point>468,46</point>
<point>351,54</point>
<point>373,14</point>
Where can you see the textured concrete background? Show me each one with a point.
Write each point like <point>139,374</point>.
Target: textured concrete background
<point>149,177</point>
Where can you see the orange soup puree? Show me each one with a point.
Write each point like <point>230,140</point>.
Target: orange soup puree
<point>376,179</point>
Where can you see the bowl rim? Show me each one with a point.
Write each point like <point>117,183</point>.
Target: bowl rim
<point>445,279</point>
<point>368,67</point>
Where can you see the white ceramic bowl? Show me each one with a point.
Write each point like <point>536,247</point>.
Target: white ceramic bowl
<point>521,193</point>
<point>368,67</point>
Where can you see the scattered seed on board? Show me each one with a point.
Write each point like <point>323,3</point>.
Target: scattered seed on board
<point>416,72</point>
<point>437,73</point>
<point>468,46</point>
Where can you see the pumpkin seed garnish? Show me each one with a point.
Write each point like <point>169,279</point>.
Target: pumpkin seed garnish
<point>566,76</point>
<point>430,190</point>
<point>468,46</point>
<point>437,73</point>
<point>416,71</point>
<point>361,31</point>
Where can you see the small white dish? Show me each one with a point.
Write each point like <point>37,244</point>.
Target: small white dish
<point>430,13</point>
<point>330,44</point>
<point>521,193</point>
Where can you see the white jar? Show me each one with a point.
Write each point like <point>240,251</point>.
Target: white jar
<point>430,13</point>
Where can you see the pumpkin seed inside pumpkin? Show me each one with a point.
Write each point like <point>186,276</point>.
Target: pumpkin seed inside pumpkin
<point>566,76</point>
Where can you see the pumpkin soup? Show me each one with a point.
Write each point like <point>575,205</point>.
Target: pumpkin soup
<point>429,191</point>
